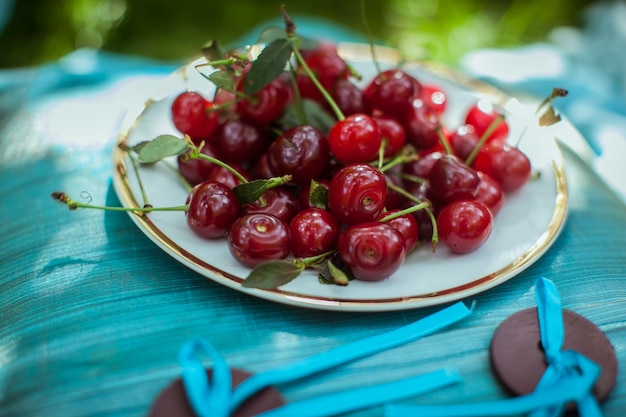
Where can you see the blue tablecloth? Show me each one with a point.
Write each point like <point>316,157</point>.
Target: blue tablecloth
<point>92,313</point>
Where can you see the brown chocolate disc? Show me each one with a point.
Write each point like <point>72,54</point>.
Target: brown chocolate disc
<point>173,400</point>
<point>518,360</point>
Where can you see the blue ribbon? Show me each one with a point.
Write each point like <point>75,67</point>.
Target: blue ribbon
<point>215,398</point>
<point>569,376</point>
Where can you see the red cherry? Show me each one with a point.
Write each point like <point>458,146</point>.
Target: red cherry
<point>420,169</point>
<point>451,180</point>
<point>302,152</point>
<point>393,92</point>
<point>490,193</point>
<point>434,97</point>
<point>463,141</point>
<point>357,194</point>
<point>191,115</point>
<point>277,201</point>
<point>481,115</point>
<point>464,225</point>
<point>392,132</point>
<point>313,232</point>
<point>407,226</point>
<point>421,125</point>
<point>349,98</point>
<point>327,66</point>
<point>224,176</point>
<point>259,237</point>
<point>197,170</point>
<point>213,207</point>
<point>240,140</point>
<point>505,164</point>
<point>373,251</point>
<point>267,105</point>
<point>355,139</point>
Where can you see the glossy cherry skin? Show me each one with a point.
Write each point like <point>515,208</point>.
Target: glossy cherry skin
<point>490,193</point>
<point>313,232</point>
<point>392,133</point>
<point>373,251</point>
<point>407,226</point>
<point>278,201</point>
<point>505,164</point>
<point>259,237</point>
<point>421,125</point>
<point>267,105</point>
<point>302,152</point>
<point>481,115</point>
<point>191,115</point>
<point>393,92</point>
<point>355,139</point>
<point>463,141</point>
<point>357,193</point>
<point>213,207</point>
<point>464,225</point>
<point>434,97</point>
<point>419,170</point>
<point>240,140</point>
<point>451,180</point>
<point>224,176</point>
<point>349,98</point>
<point>197,170</point>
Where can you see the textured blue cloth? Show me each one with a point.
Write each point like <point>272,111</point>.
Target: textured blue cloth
<point>92,313</point>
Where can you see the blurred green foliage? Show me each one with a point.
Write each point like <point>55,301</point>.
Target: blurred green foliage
<point>43,30</point>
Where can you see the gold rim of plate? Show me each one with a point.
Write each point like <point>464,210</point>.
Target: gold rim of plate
<point>354,52</point>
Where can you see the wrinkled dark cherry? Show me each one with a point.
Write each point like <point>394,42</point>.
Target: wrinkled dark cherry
<point>451,180</point>
<point>355,139</point>
<point>505,164</point>
<point>240,140</point>
<point>213,207</point>
<point>357,193</point>
<point>373,251</point>
<point>259,237</point>
<point>302,152</point>
<point>464,225</point>
<point>191,115</point>
<point>463,141</point>
<point>490,193</point>
<point>313,232</point>
<point>392,133</point>
<point>278,202</point>
<point>481,115</point>
<point>407,226</point>
<point>349,98</point>
<point>267,105</point>
<point>393,92</point>
<point>197,170</point>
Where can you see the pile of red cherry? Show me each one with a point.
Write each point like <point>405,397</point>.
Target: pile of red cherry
<point>349,166</point>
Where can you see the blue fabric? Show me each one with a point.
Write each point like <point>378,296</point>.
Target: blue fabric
<point>93,313</point>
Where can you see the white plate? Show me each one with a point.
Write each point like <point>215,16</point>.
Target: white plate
<point>525,228</point>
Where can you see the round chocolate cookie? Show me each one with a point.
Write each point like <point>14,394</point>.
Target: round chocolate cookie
<point>517,357</point>
<point>173,400</point>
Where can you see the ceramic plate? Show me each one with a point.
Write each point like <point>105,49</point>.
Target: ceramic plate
<point>525,228</point>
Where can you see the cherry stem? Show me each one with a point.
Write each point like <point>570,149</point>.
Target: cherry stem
<point>144,195</point>
<point>313,260</point>
<point>402,157</point>
<point>444,141</point>
<point>481,142</point>
<point>196,154</point>
<point>368,33</point>
<point>338,113</point>
<point>408,210</point>
<point>417,201</point>
<point>73,205</point>
<point>298,97</point>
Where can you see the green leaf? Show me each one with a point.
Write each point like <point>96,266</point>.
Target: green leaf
<point>318,195</point>
<point>271,34</point>
<point>251,191</point>
<point>315,115</point>
<point>223,79</point>
<point>268,66</point>
<point>272,274</point>
<point>160,147</point>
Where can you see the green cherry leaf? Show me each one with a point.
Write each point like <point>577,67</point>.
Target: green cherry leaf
<point>268,66</point>
<point>318,195</point>
<point>271,34</point>
<point>223,79</point>
<point>160,147</point>
<point>272,274</point>
<point>251,191</point>
<point>315,115</point>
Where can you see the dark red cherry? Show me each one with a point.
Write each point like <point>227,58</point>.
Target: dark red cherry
<point>213,207</point>
<point>267,105</point>
<point>393,92</point>
<point>240,140</point>
<point>451,180</point>
<point>192,115</point>
<point>463,141</point>
<point>421,125</point>
<point>259,237</point>
<point>505,164</point>
<point>392,133</point>
<point>349,98</point>
<point>407,226</point>
<point>327,66</point>
<point>419,169</point>
<point>373,251</point>
<point>464,225</point>
<point>313,232</point>
<point>226,177</point>
<point>490,193</point>
<point>302,152</point>
<point>197,170</point>
<point>279,202</point>
<point>357,193</point>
